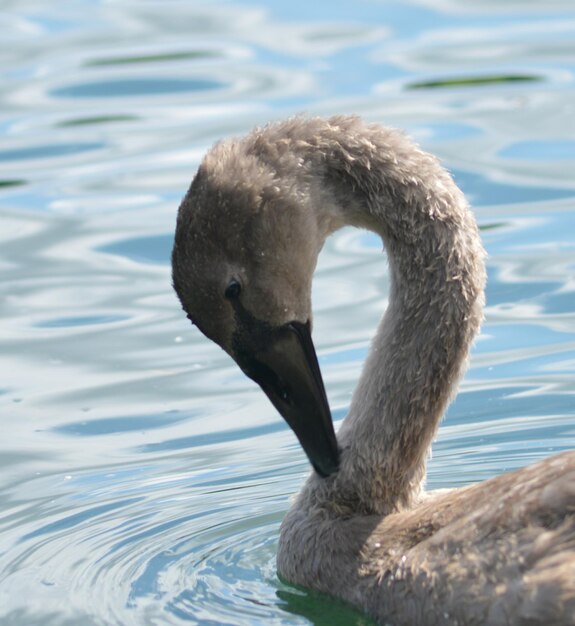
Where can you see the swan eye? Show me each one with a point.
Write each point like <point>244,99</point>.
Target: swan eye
<point>233,290</point>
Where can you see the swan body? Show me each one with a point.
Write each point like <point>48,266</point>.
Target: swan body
<point>362,528</point>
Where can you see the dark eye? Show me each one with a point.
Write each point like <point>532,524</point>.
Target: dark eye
<point>233,290</point>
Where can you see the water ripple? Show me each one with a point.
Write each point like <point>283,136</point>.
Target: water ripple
<point>133,87</point>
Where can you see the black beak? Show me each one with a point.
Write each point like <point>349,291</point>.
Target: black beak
<point>284,364</point>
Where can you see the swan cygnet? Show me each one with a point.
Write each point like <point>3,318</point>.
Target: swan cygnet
<point>362,529</point>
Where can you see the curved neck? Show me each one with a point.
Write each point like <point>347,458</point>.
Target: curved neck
<point>375,178</point>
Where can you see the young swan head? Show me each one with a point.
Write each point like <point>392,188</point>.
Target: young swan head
<point>245,250</point>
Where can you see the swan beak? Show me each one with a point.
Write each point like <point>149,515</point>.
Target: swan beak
<point>285,366</point>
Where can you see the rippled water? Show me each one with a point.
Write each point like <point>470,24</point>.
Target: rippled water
<point>143,478</point>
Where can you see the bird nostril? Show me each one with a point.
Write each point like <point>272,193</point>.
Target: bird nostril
<point>284,394</point>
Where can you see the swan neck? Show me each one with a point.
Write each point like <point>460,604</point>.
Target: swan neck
<point>377,179</point>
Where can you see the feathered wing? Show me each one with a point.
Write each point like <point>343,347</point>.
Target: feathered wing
<point>500,552</point>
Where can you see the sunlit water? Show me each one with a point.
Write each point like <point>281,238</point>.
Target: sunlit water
<point>143,478</point>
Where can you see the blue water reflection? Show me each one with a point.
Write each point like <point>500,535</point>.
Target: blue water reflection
<point>47,151</point>
<point>488,192</point>
<point>541,150</point>
<point>153,249</point>
<point>131,87</point>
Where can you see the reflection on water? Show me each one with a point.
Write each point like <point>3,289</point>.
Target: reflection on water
<point>470,82</point>
<point>541,149</point>
<point>152,249</point>
<point>48,152</point>
<point>127,87</point>
<point>143,476</point>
